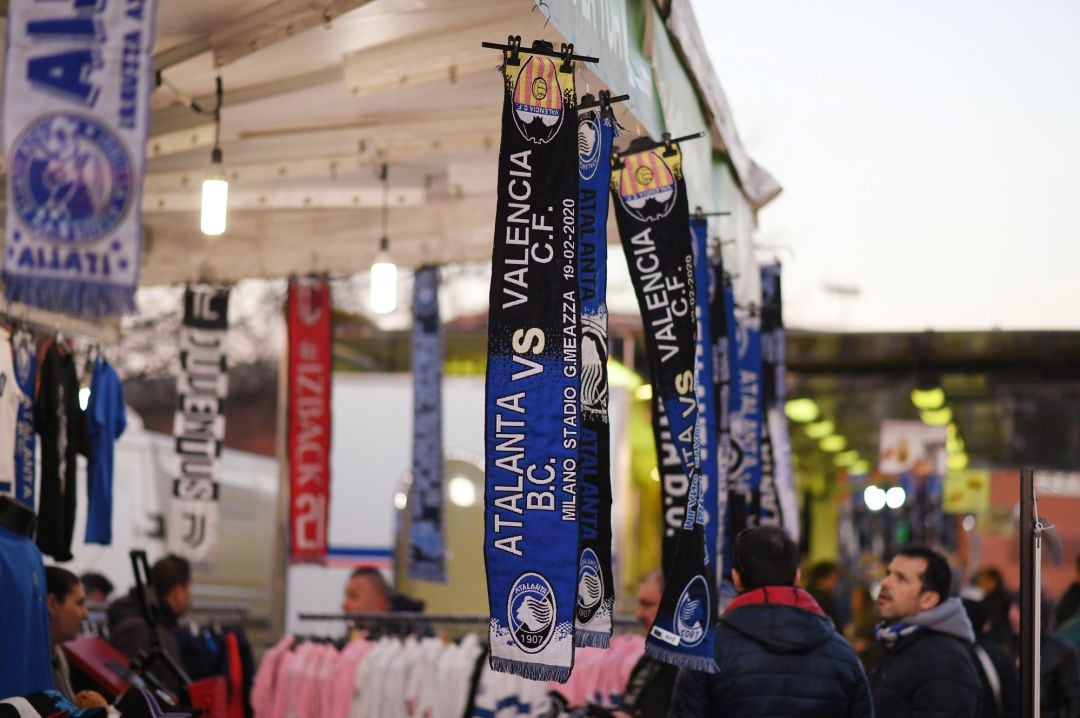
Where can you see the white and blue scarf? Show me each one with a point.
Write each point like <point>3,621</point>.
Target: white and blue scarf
<point>24,355</point>
<point>427,543</point>
<point>532,409</point>
<point>77,87</point>
<point>596,582</point>
<point>774,393</point>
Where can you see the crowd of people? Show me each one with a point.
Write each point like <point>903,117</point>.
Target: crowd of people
<point>919,646</point>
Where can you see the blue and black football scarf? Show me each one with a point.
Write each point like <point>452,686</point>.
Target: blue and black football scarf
<point>427,545</point>
<point>719,301</point>
<point>738,494</point>
<point>779,494</point>
<point>595,581</point>
<point>532,416</point>
<point>712,467</point>
<point>24,359</point>
<point>654,224</point>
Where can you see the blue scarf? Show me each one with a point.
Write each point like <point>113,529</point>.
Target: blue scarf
<point>427,546</point>
<point>532,425</point>
<point>24,356</point>
<point>889,636</point>
<point>774,393</point>
<point>746,411</point>
<point>76,107</point>
<point>712,468</point>
<point>596,583</point>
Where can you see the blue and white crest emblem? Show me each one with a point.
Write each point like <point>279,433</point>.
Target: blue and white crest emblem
<point>589,141</point>
<point>531,609</point>
<point>692,612</point>
<point>590,591</point>
<point>71,179</point>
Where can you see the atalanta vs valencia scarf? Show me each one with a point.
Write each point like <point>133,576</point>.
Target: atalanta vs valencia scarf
<point>77,85</point>
<point>310,372</point>
<point>649,194</point>
<point>532,408</point>
<point>427,547</point>
<point>595,582</point>
<point>199,425</point>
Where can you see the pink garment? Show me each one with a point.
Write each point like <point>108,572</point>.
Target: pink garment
<point>262,687</point>
<point>343,682</point>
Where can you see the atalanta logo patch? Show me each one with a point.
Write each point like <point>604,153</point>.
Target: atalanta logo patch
<point>530,609</point>
<point>589,141</point>
<point>692,612</point>
<point>537,100</point>
<point>647,188</point>
<point>71,179</point>
<point>590,591</point>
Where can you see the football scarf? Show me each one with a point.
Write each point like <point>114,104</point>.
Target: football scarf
<point>649,194</point>
<point>427,545</point>
<point>746,432</point>
<point>774,395</point>
<point>595,581</point>
<point>24,356</point>
<point>712,467</point>
<point>199,424</point>
<point>718,313</point>
<point>310,372</point>
<point>532,426</point>
<point>77,86</point>
<point>738,496</point>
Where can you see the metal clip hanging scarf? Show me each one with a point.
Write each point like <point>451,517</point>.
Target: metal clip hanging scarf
<point>713,479</point>
<point>310,374</point>
<point>774,394</point>
<point>427,544</point>
<point>649,193</point>
<point>595,581</point>
<point>24,355</point>
<point>532,407</point>
<point>199,426</point>
<point>77,90</point>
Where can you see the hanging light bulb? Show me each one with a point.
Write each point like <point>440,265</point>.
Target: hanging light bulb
<point>383,270</point>
<point>383,281</point>
<point>215,188</point>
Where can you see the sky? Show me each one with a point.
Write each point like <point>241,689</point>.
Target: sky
<point>929,154</point>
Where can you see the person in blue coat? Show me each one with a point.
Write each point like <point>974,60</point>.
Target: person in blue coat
<point>777,652</point>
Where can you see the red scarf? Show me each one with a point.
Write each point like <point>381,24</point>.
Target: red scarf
<point>777,596</point>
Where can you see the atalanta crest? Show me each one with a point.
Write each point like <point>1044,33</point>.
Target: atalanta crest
<point>71,179</point>
<point>692,612</point>
<point>589,142</point>
<point>530,610</point>
<point>647,187</point>
<point>590,590</point>
<point>537,100</point>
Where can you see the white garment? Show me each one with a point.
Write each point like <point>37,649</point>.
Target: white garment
<point>10,398</point>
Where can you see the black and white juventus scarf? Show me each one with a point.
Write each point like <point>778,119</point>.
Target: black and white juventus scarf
<point>199,424</point>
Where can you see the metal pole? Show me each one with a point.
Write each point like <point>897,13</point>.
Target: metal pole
<point>1029,599</point>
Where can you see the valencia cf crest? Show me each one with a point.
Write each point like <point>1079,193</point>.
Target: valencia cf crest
<point>537,100</point>
<point>647,187</point>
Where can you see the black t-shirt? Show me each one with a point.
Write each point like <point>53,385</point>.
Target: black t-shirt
<point>62,427</point>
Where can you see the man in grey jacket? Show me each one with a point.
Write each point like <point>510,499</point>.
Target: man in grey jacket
<point>927,668</point>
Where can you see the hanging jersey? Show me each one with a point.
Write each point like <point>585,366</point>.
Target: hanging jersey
<point>24,354</point>
<point>10,400</point>
<point>25,664</point>
<point>105,421</point>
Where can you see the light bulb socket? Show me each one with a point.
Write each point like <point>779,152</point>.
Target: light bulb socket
<point>384,244</point>
<point>216,156</point>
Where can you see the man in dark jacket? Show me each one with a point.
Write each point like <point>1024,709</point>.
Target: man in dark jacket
<point>927,669</point>
<point>778,654</point>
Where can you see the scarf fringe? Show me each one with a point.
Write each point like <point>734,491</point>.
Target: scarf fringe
<point>531,671</point>
<point>591,639</point>
<point>705,664</point>
<point>71,297</point>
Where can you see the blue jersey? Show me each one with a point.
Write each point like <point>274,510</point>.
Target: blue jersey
<point>25,664</point>
<point>105,421</point>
